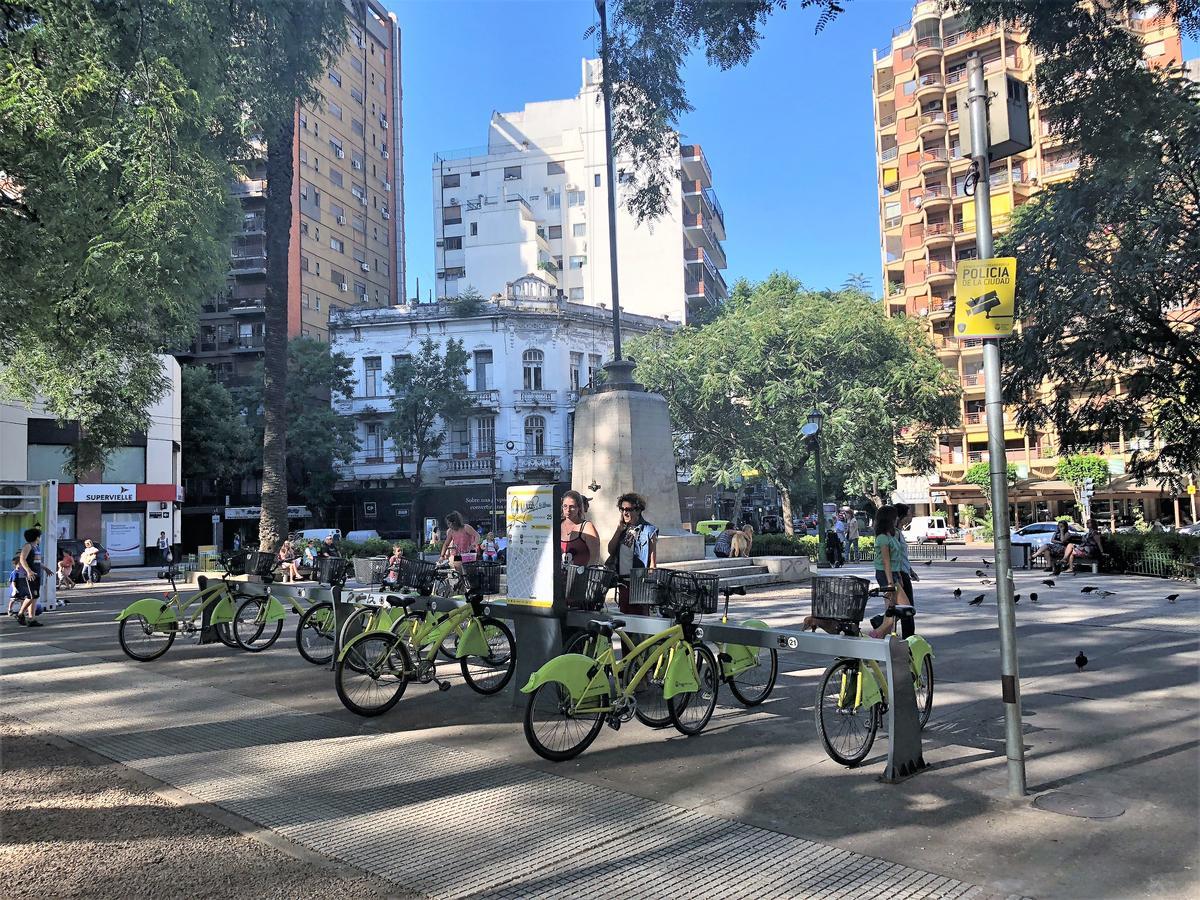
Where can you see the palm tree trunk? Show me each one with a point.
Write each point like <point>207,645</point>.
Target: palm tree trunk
<point>273,523</point>
<point>785,507</point>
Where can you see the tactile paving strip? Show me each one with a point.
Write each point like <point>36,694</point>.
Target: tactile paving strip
<point>438,821</point>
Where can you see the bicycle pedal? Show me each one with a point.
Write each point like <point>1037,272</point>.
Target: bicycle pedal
<point>443,686</point>
<point>614,723</point>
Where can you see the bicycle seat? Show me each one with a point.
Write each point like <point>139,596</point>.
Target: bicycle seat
<point>404,601</point>
<point>605,626</point>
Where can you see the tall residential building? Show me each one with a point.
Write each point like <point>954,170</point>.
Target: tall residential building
<point>928,225</point>
<point>347,242</point>
<point>535,201</point>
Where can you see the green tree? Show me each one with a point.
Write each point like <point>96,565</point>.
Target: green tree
<point>428,394</point>
<point>115,215</point>
<point>1076,468</point>
<point>980,475</point>
<point>741,388</point>
<point>469,303</point>
<point>318,438</point>
<point>216,443</point>
<point>284,49</point>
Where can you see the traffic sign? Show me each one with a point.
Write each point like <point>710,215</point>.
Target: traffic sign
<point>984,297</point>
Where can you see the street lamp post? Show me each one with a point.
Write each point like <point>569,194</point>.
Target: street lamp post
<point>813,430</point>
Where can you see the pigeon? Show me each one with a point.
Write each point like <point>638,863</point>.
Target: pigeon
<point>1088,589</point>
<point>978,600</point>
<point>986,563</point>
<point>1016,598</point>
<point>1171,598</point>
<point>979,573</point>
<point>1048,582</point>
<point>953,559</point>
<point>1033,596</point>
<point>987,582</point>
<point>957,593</point>
<point>1081,661</point>
<point>929,562</point>
<point>1104,595</point>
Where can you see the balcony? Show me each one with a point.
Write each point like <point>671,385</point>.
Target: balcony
<point>977,456</point>
<point>480,465</point>
<point>940,306</point>
<point>250,188</point>
<point>700,232</point>
<point>245,306</point>
<point>972,344</point>
<point>932,124</point>
<point>534,398</point>
<point>702,271</point>
<point>254,225</point>
<point>695,166</point>
<point>939,271</point>
<point>927,49</point>
<point>930,86</point>
<point>939,234</point>
<point>358,406</point>
<point>248,265</point>
<point>537,462</point>
<point>972,381</point>
<point>889,154</point>
<point>485,399</point>
<point>887,121</point>
<point>934,159</point>
<point>936,196</point>
<point>699,199</point>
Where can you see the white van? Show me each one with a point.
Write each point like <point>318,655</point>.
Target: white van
<point>361,537</point>
<point>318,534</point>
<point>926,528</point>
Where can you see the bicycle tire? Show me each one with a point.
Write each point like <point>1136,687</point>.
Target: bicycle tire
<point>224,633</point>
<point>549,703</point>
<point>503,666</point>
<point>859,736</point>
<point>924,692</point>
<point>142,624</point>
<point>250,635</point>
<point>652,710</point>
<point>750,692</point>
<point>377,688</point>
<point>315,634</point>
<point>697,706</point>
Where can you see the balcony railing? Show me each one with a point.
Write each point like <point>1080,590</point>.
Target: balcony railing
<point>934,118</point>
<point>885,121</point>
<point>936,192</point>
<point>971,343</point>
<point>253,188</point>
<point>932,42</point>
<point>246,263</point>
<point>534,398</point>
<point>933,229</point>
<point>466,466</point>
<point>977,456</point>
<point>1062,164</point>
<point>938,304</point>
<point>253,224</point>
<point>693,153</point>
<point>939,267</point>
<point>972,379</point>
<point>932,79</point>
<point>935,154</point>
<point>531,462</point>
<point>973,418</point>
<point>485,399</point>
<point>889,154</point>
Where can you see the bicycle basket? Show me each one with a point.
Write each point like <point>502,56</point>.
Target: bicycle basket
<point>587,586</point>
<point>418,574</point>
<point>484,575</point>
<point>696,591</point>
<point>235,564</point>
<point>841,597</point>
<point>259,563</point>
<point>370,570</point>
<point>648,587</point>
<point>332,570</point>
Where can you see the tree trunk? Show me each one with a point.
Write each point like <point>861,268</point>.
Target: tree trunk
<point>785,504</point>
<point>273,524</point>
<point>736,517</point>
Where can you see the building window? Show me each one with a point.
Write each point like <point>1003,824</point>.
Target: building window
<point>578,262</point>
<point>356,95</point>
<point>532,361</point>
<point>335,77</point>
<point>483,370</point>
<point>373,445</point>
<point>125,465</point>
<point>335,177</point>
<point>535,436</point>
<point>576,370</point>
<point>575,198</point>
<point>304,263</point>
<point>449,181</point>
<point>554,167</point>
<point>593,366</point>
<point>337,244</point>
<point>336,111</point>
<point>373,370</point>
<point>451,215</point>
<point>359,224</point>
<point>356,64</point>
<point>483,436</point>
<point>357,127</point>
<point>577,293</point>
<point>554,200</point>
<point>579,229</point>
<point>555,232</point>
<point>596,179</point>
<point>512,173</point>
<point>454,243</point>
<point>474,229</point>
<point>339,212</point>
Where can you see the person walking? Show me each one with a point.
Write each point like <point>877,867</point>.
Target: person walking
<point>839,529</point>
<point>852,538</point>
<point>906,573</point>
<point>724,545</point>
<point>462,542</point>
<point>89,559</point>
<point>29,577</point>
<point>579,542</point>
<point>237,541</point>
<point>164,548</point>
<point>887,556</point>
<point>634,545</point>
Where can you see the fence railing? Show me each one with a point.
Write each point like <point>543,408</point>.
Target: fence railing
<point>1159,564</point>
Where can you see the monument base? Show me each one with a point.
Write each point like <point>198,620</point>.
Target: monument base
<point>673,548</point>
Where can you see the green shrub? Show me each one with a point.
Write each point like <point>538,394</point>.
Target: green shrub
<point>1124,548</point>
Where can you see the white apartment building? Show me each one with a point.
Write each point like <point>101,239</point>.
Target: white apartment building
<point>531,352</point>
<point>534,201</point>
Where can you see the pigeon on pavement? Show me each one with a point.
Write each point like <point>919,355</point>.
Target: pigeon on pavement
<point>953,559</point>
<point>979,573</point>
<point>1048,582</point>
<point>1104,595</point>
<point>978,600</point>
<point>929,562</point>
<point>987,582</point>
<point>1171,598</point>
<point>1016,598</point>
<point>1088,589</point>
<point>986,563</point>
<point>957,593</point>
<point>1081,661</point>
<point>1033,596</point>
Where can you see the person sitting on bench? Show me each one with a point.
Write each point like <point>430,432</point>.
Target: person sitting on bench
<point>1091,549</point>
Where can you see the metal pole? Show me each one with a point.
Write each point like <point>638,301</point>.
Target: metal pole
<point>822,559</point>
<point>1006,612</point>
<point>606,90</point>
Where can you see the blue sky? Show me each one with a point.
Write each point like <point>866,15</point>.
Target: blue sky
<point>789,137</point>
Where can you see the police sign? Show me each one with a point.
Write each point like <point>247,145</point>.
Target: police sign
<point>984,297</point>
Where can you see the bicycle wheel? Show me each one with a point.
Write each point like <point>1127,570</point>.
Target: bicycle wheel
<point>846,730</point>
<point>652,708</point>
<point>374,689</point>
<point>224,633</point>
<point>690,712</point>
<point>489,674</point>
<point>551,729</point>
<point>754,685</point>
<point>141,641</point>
<point>923,684</point>
<point>314,634</point>
<point>250,631</point>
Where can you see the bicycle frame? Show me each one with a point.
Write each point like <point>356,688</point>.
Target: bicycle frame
<point>876,687</point>
<point>606,680</point>
<point>169,614</point>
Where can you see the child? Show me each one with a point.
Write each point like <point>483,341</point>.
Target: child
<point>66,566</point>
<point>395,563</point>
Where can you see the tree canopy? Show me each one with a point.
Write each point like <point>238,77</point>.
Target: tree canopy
<point>217,444</point>
<point>1078,467</point>
<point>980,475</point>
<point>115,214</point>
<point>428,393</point>
<point>740,388</point>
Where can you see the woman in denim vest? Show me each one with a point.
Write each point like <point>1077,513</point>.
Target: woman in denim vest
<point>634,545</point>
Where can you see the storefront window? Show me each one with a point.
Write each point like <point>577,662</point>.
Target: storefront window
<point>126,465</point>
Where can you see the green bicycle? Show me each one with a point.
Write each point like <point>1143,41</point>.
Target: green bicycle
<point>147,628</point>
<point>573,695</point>
<point>374,668</point>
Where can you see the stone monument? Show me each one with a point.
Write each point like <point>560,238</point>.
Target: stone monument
<point>622,443</point>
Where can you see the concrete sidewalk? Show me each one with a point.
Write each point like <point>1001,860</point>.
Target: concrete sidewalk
<point>265,735</point>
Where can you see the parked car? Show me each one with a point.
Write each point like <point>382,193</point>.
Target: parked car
<point>1191,530</point>
<point>317,534</point>
<point>926,528</point>
<point>103,563</point>
<point>361,536</point>
<point>1038,534</point>
<point>711,526</point>
<point>772,524</point>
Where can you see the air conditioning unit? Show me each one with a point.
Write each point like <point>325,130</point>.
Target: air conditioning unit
<point>383,153</point>
<point>387,185</point>
<point>341,220</point>
<point>356,164</point>
<point>339,152</point>
<point>343,287</point>
<point>19,498</point>
<point>364,267</point>
<point>386,214</point>
<point>383,123</point>
<point>363,199</point>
